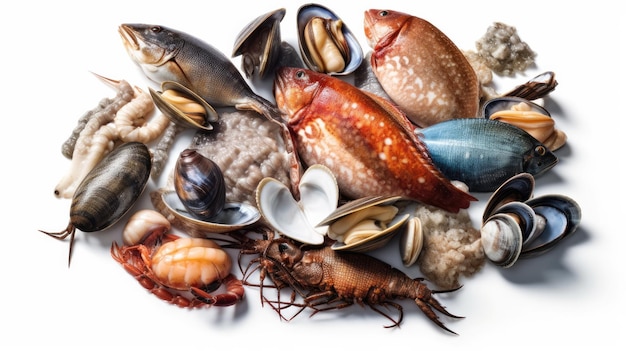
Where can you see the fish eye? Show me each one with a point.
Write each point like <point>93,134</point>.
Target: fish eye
<point>155,29</point>
<point>300,74</point>
<point>383,13</point>
<point>540,150</point>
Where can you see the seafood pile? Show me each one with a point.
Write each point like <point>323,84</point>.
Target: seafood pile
<point>358,151</point>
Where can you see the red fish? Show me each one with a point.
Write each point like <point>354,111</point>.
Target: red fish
<point>365,140</point>
<point>420,68</point>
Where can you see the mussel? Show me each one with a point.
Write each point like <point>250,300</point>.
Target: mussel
<point>183,106</point>
<point>518,225</point>
<point>326,44</point>
<point>259,44</point>
<point>200,185</point>
<point>527,115</point>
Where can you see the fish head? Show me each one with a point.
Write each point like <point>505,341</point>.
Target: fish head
<point>381,26</point>
<point>295,88</point>
<point>151,47</point>
<point>539,160</point>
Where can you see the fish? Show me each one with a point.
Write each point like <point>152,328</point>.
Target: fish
<point>166,54</point>
<point>366,142</point>
<point>484,153</point>
<point>420,68</point>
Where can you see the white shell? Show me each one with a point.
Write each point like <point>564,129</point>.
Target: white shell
<point>501,238</point>
<point>411,241</point>
<point>319,195</point>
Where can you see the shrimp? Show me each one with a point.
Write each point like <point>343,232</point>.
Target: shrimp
<point>169,265</point>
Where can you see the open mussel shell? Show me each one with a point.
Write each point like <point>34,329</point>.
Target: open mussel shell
<point>259,44</point>
<point>536,88</point>
<point>507,103</point>
<point>518,188</point>
<point>319,46</point>
<point>200,185</point>
<point>319,195</point>
<point>559,217</point>
<point>183,106</point>
<point>233,216</point>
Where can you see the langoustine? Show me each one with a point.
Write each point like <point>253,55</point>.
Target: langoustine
<point>366,142</point>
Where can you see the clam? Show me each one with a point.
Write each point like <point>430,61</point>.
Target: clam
<point>527,115</point>
<point>517,225</point>
<point>326,44</point>
<point>370,222</point>
<point>259,44</point>
<point>411,241</point>
<point>319,195</point>
<point>183,106</point>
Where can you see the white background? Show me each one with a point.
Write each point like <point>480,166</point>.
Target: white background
<point>570,297</point>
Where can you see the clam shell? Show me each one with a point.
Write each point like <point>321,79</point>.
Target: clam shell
<point>538,87</point>
<point>233,216</point>
<point>176,114</point>
<point>259,44</point>
<point>304,16</point>
<point>319,195</point>
<point>501,238</point>
<point>411,241</point>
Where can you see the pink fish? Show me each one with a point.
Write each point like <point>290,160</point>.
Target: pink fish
<point>420,68</point>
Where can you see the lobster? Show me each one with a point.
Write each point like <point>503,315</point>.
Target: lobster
<point>326,279</point>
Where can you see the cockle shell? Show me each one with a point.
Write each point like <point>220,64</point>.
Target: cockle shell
<point>367,143</point>
<point>420,68</point>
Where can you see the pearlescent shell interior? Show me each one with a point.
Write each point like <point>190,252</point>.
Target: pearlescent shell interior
<point>319,194</point>
<point>233,216</point>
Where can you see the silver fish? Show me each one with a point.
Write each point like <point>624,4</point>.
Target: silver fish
<point>485,153</point>
<point>166,54</point>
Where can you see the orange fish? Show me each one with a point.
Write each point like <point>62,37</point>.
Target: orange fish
<point>420,68</point>
<point>363,139</point>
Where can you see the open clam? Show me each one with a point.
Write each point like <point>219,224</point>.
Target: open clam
<point>183,106</point>
<point>369,223</point>
<point>259,44</point>
<point>518,226</point>
<point>319,195</point>
<point>326,44</point>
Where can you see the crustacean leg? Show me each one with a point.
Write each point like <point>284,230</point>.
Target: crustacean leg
<point>234,292</point>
